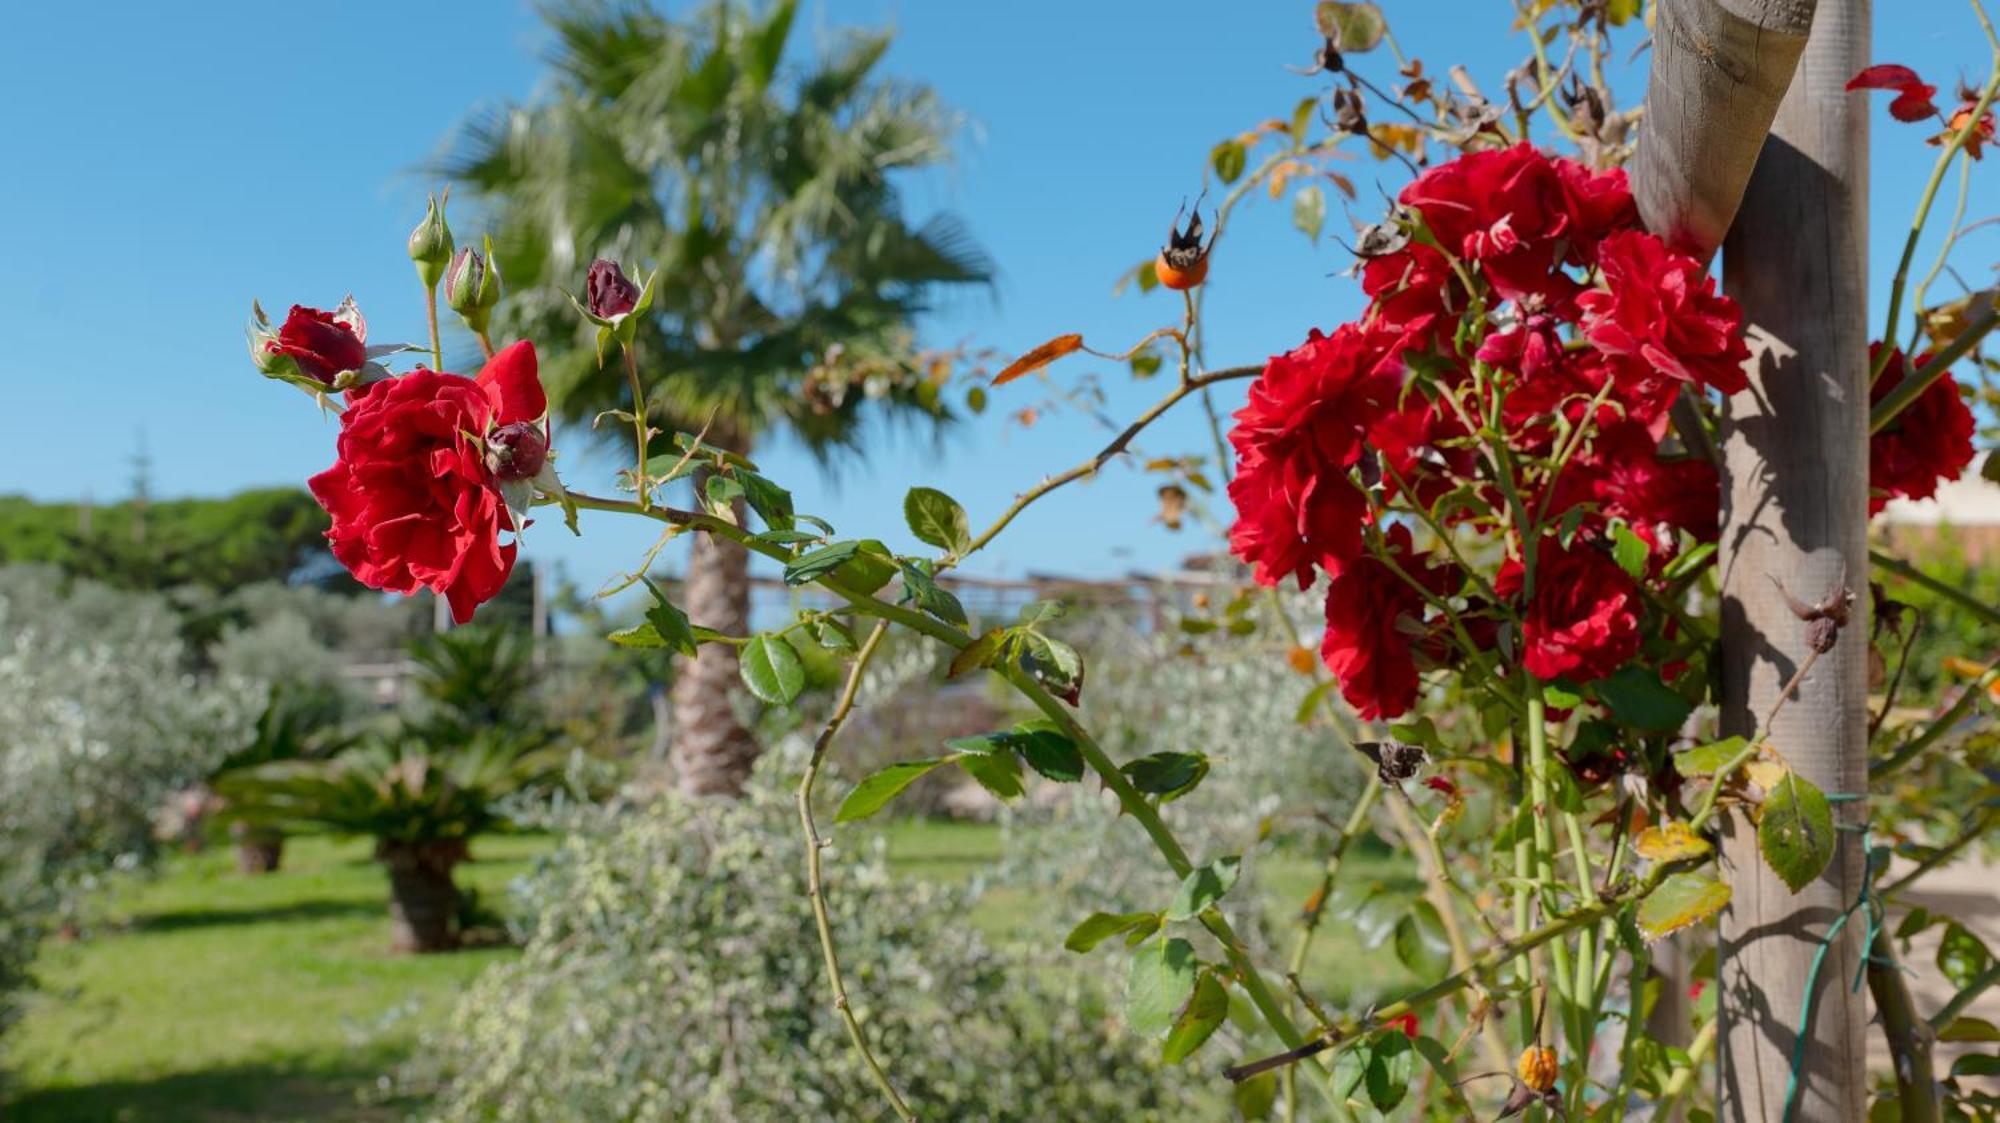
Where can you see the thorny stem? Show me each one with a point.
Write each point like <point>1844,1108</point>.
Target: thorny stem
<point>638,424</point>
<point>1919,380</point>
<point>1598,908</point>
<point>815,887</point>
<point>1973,832</point>
<point>1896,681</point>
<point>1908,1037</point>
<point>1939,726</point>
<point>1943,257</point>
<point>1978,986</point>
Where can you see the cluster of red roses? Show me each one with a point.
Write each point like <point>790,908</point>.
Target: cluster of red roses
<point>1527,303</point>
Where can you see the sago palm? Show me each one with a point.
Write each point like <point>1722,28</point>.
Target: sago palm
<point>790,271</point>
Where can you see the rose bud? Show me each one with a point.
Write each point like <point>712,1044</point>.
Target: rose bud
<point>321,346</point>
<point>608,292</point>
<point>430,242</point>
<point>472,287</point>
<point>516,451</point>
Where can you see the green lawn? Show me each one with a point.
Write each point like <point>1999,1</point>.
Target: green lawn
<point>203,996</point>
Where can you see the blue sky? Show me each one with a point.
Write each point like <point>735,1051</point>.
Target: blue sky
<point>197,156</point>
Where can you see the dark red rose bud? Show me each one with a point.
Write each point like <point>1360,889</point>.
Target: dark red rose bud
<point>516,451</point>
<point>322,346</point>
<point>608,292</point>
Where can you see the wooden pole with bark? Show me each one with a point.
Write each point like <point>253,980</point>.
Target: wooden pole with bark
<point>1724,72</point>
<point>1795,481</point>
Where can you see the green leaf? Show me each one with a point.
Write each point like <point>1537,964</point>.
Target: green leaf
<point>1976,1064</point>
<point>920,587</point>
<point>637,636</point>
<point>999,773</point>
<point>1795,831</point>
<point>1167,775</point>
<point>1309,210</point>
<point>875,792</point>
<point>1352,27</point>
<point>1391,1065</point>
<point>771,669</point>
<point>1965,1027</point>
<point>1101,926</point>
<point>979,653</point>
<point>1681,901</point>
<point>1637,697</point>
<point>1561,696</point>
<point>815,564</point>
<point>936,518</point>
<point>1198,1020</point>
<point>670,623</point>
<point>1050,752</point>
<point>1420,941</point>
<point>1204,887</point>
<point>1054,664</point>
<point>772,503</point>
<point>722,491</point>
<point>1706,760</point>
<point>1039,611</point>
<point>1629,551</point>
<point>1257,1097</point>
<point>834,636</point>
<point>1229,158</point>
<point>1962,956</point>
<point>871,567</point>
<point>1159,983</point>
<point>785,537</point>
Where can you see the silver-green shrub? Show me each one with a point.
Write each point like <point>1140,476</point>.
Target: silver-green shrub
<point>671,972</point>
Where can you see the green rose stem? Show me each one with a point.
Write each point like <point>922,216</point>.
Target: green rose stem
<point>638,423</point>
<point>431,308</point>
<point>1129,798</point>
<point>816,889</point>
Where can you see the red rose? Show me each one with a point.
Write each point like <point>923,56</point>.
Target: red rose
<point>1599,203</point>
<point>1373,622</point>
<point>1626,476</point>
<point>1583,621</point>
<point>1416,294</point>
<point>414,504</point>
<point>1291,516</point>
<point>323,345</point>
<point>1295,440</point>
<point>1505,209</point>
<point>1660,309</point>
<point>1928,443</point>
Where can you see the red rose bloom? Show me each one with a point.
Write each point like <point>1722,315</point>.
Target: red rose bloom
<point>1415,294</point>
<point>1374,620</point>
<point>323,347</point>
<point>1626,476</point>
<point>1928,443</point>
<point>1660,309</point>
<point>1295,440</point>
<point>414,504</point>
<point>1505,209</point>
<point>1913,94</point>
<point>1292,515</point>
<point>1583,622</point>
<point>1599,203</point>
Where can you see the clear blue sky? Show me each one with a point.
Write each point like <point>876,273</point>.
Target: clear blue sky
<point>192,157</point>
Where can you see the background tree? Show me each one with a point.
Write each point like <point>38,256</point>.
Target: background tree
<point>790,272</point>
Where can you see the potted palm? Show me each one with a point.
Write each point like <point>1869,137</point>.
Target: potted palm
<point>424,786</point>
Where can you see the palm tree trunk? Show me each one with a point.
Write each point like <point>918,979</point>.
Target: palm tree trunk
<point>423,898</point>
<point>712,752</point>
<point>258,849</point>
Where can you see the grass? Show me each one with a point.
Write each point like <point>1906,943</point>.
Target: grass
<point>203,996</point>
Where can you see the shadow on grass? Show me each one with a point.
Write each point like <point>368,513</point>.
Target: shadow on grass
<point>280,1091</point>
<point>176,920</point>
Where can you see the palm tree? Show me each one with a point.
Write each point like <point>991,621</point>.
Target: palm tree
<point>790,273</point>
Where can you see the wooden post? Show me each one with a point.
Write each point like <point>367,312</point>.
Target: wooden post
<point>1795,485</point>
